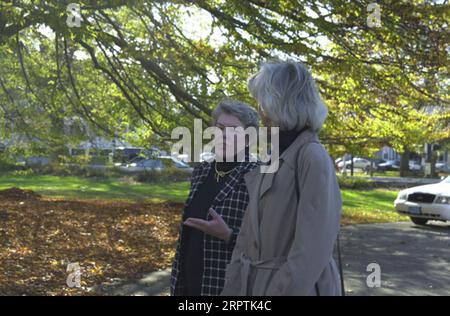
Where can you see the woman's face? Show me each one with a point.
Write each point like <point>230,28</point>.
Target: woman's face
<point>226,147</point>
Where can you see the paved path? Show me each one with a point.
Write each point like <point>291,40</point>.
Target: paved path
<point>151,284</point>
<point>413,260</point>
<point>403,180</point>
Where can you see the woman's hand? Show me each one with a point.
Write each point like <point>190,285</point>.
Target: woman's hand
<point>215,227</point>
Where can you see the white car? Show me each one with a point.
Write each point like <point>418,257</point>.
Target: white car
<point>206,156</point>
<point>425,202</point>
<point>157,164</point>
<point>414,166</point>
<point>358,163</point>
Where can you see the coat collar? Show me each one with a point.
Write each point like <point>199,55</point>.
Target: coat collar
<point>205,168</point>
<point>288,156</point>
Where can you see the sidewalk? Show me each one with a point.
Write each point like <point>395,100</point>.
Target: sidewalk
<point>403,181</point>
<point>413,260</point>
<point>151,284</point>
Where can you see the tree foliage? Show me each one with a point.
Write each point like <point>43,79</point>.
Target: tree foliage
<point>140,68</point>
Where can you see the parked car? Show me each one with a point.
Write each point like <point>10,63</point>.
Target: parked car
<point>131,161</point>
<point>175,162</point>
<point>358,163</point>
<point>425,202</point>
<point>415,165</point>
<point>37,161</point>
<point>182,157</point>
<point>337,162</point>
<point>377,161</point>
<point>389,165</point>
<point>159,163</point>
<point>442,167</point>
<point>206,156</point>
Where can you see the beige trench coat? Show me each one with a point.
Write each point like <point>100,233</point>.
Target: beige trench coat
<point>286,240</point>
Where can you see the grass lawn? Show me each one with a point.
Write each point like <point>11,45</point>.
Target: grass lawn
<point>98,189</point>
<point>369,206</point>
<point>359,206</point>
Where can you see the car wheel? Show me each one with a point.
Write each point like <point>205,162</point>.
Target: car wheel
<point>419,221</point>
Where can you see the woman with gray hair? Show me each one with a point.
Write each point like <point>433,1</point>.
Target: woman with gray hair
<point>214,209</point>
<point>287,236</point>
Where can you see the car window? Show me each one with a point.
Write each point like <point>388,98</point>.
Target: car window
<point>151,163</point>
<point>145,163</point>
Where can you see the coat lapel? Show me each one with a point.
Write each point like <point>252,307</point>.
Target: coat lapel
<point>232,180</point>
<point>266,183</point>
<point>228,186</point>
<point>198,179</point>
<point>259,183</point>
<point>253,181</point>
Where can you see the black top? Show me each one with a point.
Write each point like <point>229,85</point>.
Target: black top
<point>286,138</point>
<point>192,239</point>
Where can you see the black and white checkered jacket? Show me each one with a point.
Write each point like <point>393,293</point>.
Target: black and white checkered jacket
<point>231,203</point>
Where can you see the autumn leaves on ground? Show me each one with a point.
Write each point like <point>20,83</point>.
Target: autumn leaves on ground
<point>40,236</point>
<point>112,240</point>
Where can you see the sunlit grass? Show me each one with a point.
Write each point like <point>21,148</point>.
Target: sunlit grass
<point>88,188</point>
<point>359,206</point>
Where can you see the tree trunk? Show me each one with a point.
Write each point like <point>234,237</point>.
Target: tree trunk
<point>404,163</point>
<point>433,173</point>
<point>351,165</point>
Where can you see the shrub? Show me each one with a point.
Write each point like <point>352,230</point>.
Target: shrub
<point>8,164</point>
<point>24,172</point>
<point>355,183</point>
<point>170,174</point>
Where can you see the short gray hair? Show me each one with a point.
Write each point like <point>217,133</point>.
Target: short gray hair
<point>288,95</point>
<point>244,112</point>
